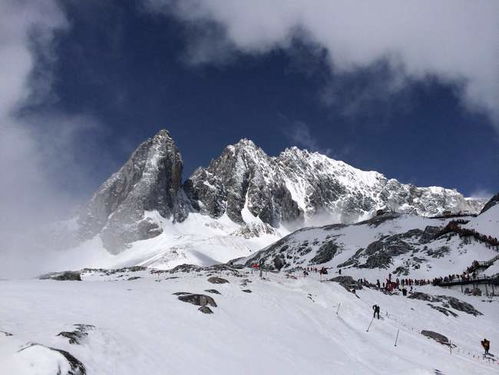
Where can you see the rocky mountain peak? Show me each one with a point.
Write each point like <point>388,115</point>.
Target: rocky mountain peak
<point>151,180</point>
<point>244,183</point>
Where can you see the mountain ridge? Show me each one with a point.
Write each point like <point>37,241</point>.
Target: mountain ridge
<point>294,189</point>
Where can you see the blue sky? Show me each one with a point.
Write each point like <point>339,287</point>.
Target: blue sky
<point>131,68</point>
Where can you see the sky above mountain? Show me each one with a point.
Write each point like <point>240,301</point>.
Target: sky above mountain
<point>410,90</point>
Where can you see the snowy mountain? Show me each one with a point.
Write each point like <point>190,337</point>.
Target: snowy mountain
<point>246,193</point>
<point>298,186</point>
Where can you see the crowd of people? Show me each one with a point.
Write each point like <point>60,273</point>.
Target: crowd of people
<point>453,226</point>
<point>464,277</point>
<point>320,271</point>
<point>397,283</point>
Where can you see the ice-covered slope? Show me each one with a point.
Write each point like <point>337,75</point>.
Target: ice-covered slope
<point>135,325</point>
<point>145,211</point>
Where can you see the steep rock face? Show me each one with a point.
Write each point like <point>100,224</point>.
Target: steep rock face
<point>242,178</point>
<point>298,185</point>
<point>150,180</point>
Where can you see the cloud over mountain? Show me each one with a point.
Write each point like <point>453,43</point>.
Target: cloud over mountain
<point>454,40</point>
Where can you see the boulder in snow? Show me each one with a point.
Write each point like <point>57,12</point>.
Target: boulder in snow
<point>198,299</point>
<point>437,337</point>
<point>217,280</point>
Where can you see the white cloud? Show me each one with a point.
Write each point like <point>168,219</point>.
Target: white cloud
<point>300,134</point>
<point>456,40</point>
<point>31,149</point>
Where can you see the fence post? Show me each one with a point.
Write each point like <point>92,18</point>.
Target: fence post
<point>397,337</point>
<point>338,309</point>
<point>367,330</point>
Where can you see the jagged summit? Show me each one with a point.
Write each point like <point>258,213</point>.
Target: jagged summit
<point>151,180</point>
<point>293,189</point>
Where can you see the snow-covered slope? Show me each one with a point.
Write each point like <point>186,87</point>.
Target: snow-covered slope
<point>199,240</point>
<point>404,245</point>
<point>129,322</point>
<point>488,221</point>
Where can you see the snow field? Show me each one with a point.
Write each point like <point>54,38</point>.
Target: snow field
<point>285,326</point>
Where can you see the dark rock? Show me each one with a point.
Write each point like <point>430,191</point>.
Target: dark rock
<point>214,291</point>
<point>217,280</point>
<point>247,291</point>
<point>436,336</point>
<point>401,271</point>
<point>76,336</point>
<point>348,283</point>
<point>62,276</point>
<point>491,203</point>
<point>198,299</point>
<point>186,268</point>
<point>443,310</point>
<point>429,234</point>
<point>245,282</point>
<point>380,219</point>
<point>459,305</point>
<point>325,253</point>
<point>133,278</point>
<point>279,262</point>
<point>447,301</point>
<point>439,253</point>
<point>205,310</point>
<point>6,333</point>
<point>181,293</point>
<point>423,297</point>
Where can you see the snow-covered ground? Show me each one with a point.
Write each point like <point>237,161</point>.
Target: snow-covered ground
<point>285,326</point>
<point>198,240</point>
<point>486,223</point>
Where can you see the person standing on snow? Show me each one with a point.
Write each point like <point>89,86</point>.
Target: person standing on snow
<point>376,311</point>
<point>486,345</point>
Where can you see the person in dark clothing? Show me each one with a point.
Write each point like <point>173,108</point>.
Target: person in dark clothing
<point>404,292</point>
<point>378,284</point>
<point>339,271</point>
<point>486,345</point>
<point>376,311</point>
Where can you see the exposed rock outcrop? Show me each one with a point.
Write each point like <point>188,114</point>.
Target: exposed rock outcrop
<point>441,339</point>
<point>217,280</point>
<point>199,300</point>
<point>62,276</point>
<point>78,334</point>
